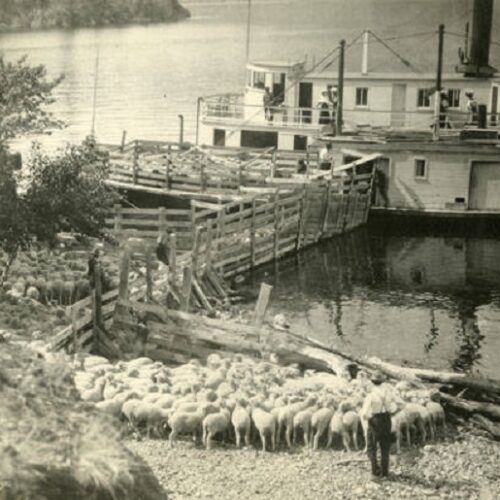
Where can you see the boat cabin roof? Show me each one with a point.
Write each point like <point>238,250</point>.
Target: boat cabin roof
<point>401,76</point>
<point>274,66</point>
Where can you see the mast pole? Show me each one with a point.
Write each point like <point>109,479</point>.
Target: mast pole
<point>439,81</point>
<point>249,19</point>
<point>340,89</point>
<point>94,103</point>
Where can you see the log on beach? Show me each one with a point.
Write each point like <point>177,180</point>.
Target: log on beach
<point>489,410</point>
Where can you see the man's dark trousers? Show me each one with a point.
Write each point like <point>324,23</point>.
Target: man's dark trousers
<point>379,434</point>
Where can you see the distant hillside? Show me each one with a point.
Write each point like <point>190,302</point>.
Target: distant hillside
<point>42,14</point>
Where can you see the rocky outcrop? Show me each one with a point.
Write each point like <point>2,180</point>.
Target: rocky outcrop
<point>47,14</point>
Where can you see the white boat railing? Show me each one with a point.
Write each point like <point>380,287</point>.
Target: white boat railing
<point>231,109</point>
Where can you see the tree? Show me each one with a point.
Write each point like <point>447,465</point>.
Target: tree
<point>67,193</point>
<point>14,232</point>
<point>25,91</point>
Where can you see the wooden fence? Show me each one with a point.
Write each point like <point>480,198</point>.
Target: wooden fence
<point>151,222</point>
<point>200,170</point>
<point>259,227</point>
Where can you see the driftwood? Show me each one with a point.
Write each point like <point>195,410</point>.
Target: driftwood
<point>472,407</point>
<point>492,429</point>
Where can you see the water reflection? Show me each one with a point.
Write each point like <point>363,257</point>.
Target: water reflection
<point>423,300</point>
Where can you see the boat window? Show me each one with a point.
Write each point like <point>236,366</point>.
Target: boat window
<point>424,98</point>
<point>421,169</point>
<point>454,98</point>
<point>259,79</point>
<point>361,96</point>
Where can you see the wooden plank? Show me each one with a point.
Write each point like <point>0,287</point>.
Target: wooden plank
<point>262,303</point>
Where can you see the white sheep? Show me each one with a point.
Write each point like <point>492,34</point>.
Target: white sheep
<point>187,422</point>
<point>242,423</point>
<point>285,418</point>
<point>320,421</point>
<point>437,415</point>
<point>265,424</point>
<point>213,424</point>
<point>302,421</point>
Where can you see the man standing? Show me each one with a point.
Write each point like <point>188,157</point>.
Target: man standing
<point>268,102</point>
<point>377,410</point>
<point>472,108</point>
<point>325,157</point>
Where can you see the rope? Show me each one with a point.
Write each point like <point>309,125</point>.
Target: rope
<point>396,54</point>
<point>411,35</point>
<point>462,35</point>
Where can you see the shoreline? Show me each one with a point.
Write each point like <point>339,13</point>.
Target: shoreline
<point>44,29</point>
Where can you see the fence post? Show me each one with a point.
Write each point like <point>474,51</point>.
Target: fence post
<point>118,226</point>
<point>273,163</point>
<point>193,224</point>
<point>196,249</point>
<point>202,175</point>
<point>208,258</point>
<point>326,213</point>
<point>172,256</point>
<point>276,224</point>
<point>302,218</point>
<point>149,277</point>
<point>167,168</point>
<point>97,303</point>
<point>252,235</point>
<point>74,314</point>
<point>135,164</point>
<point>124,266</point>
<point>162,220</point>
<point>187,284</point>
<point>124,138</point>
<point>240,177</point>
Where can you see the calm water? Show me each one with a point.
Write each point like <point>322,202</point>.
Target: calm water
<point>147,75</point>
<point>424,299</point>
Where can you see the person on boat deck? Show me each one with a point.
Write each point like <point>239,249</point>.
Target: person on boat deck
<point>325,157</point>
<point>444,121</point>
<point>268,102</point>
<point>333,99</point>
<point>324,109</point>
<point>472,108</point>
<point>377,409</point>
<point>301,167</point>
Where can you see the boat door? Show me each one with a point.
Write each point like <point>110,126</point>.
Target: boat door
<point>305,101</point>
<point>398,105</point>
<point>494,117</point>
<point>484,186</point>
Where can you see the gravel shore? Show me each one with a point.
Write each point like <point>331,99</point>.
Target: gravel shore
<point>461,469</point>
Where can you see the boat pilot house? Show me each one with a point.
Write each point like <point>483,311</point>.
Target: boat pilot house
<point>436,132</point>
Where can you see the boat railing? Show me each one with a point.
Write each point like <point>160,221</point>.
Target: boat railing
<point>231,109</point>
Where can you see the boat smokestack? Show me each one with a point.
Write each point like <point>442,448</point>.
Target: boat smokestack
<point>476,63</point>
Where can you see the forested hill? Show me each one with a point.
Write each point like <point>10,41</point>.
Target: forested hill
<point>40,14</point>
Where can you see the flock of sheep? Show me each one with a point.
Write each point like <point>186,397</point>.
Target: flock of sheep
<point>239,398</point>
